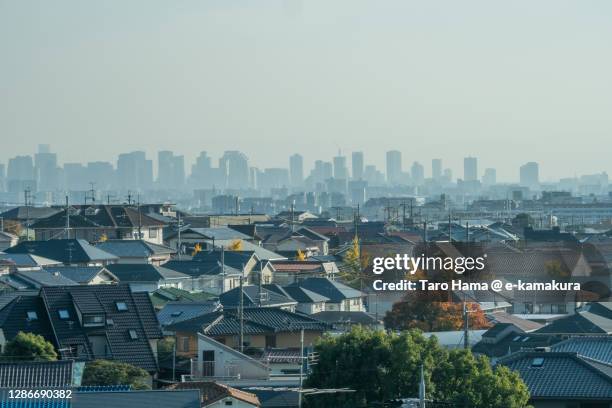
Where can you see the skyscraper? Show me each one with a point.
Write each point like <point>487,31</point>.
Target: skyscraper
<point>46,169</point>
<point>340,169</point>
<point>470,169</point>
<point>20,174</point>
<point>170,170</point>
<point>357,165</point>
<point>296,170</point>
<point>134,171</point>
<point>418,174</point>
<point>394,166</point>
<point>235,166</point>
<point>490,177</point>
<point>436,169</point>
<point>530,175</point>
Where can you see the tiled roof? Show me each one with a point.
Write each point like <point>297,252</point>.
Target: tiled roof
<point>28,260</point>
<point>303,295</point>
<point>551,375</point>
<point>513,342</point>
<point>298,266</point>
<point>80,274</point>
<point>133,248</point>
<point>523,324</point>
<point>211,392</point>
<point>29,212</point>
<point>64,250</point>
<point>27,374</point>
<point>254,296</point>
<point>235,259</point>
<point>44,278</point>
<point>596,347</point>
<point>333,290</point>
<point>340,317</point>
<point>174,312</point>
<point>164,295</point>
<point>582,322</point>
<point>216,233</point>
<point>14,316</point>
<point>139,317</point>
<point>137,399</point>
<point>143,272</point>
<point>196,268</point>
<point>100,216</point>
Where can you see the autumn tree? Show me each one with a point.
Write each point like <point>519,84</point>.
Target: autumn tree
<point>300,256</point>
<point>29,347</point>
<point>236,245</point>
<point>428,313</point>
<point>196,249</point>
<point>355,262</point>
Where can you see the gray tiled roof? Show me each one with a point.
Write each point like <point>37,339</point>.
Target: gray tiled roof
<point>596,347</point>
<point>143,273</point>
<point>64,250</point>
<point>174,312</point>
<point>333,290</point>
<point>26,374</point>
<point>137,399</point>
<point>254,296</point>
<point>80,274</point>
<point>130,248</point>
<point>45,278</point>
<point>551,375</point>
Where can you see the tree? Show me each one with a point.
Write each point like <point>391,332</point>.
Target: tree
<point>196,248</point>
<point>300,255</point>
<point>427,313</point>
<point>236,245</point>
<point>29,347</point>
<point>355,261</point>
<point>380,366</point>
<point>105,372</point>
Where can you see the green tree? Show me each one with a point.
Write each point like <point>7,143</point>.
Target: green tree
<point>105,372</point>
<point>29,347</point>
<point>380,366</point>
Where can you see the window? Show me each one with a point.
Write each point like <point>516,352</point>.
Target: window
<point>93,320</point>
<point>121,306</point>
<point>229,402</point>
<point>152,232</point>
<point>63,314</point>
<point>32,315</point>
<point>133,334</point>
<point>176,314</point>
<point>528,307</point>
<point>537,362</point>
<point>185,344</point>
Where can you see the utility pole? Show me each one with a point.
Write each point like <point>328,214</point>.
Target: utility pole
<point>293,216</point>
<point>301,367</point>
<point>466,325</point>
<point>180,245</point>
<point>174,361</point>
<point>139,218</point>
<point>67,233</point>
<point>241,312</point>
<point>26,194</point>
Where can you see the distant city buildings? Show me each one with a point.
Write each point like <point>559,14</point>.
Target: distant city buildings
<point>530,175</point>
<point>394,167</point>
<point>470,169</point>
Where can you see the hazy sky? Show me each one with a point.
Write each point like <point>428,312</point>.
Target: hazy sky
<point>506,81</point>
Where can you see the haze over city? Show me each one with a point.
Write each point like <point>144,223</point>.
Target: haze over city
<point>506,82</point>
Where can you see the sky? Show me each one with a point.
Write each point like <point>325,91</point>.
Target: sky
<point>505,81</point>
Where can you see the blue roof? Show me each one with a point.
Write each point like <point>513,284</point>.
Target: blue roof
<point>174,312</point>
<point>131,248</point>
<point>64,250</point>
<point>333,290</point>
<point>80,274</point>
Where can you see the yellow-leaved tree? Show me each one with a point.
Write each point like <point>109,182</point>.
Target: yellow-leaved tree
<point>236,245</point>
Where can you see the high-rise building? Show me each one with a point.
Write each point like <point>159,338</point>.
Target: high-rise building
<point>340,169</point>
<point>436,169</point>
<point>530,175</point>
<point>394,167</point>
<point>418,174</point>
<point>46,169</point>
<point>102,174</point>
<point>20,174</point>
<point>490,177</point>
<point>470,169</point>
<point>2,178</point>
<point>357,165</point>
<point>170,170</point>
<point>134,171</point>
<point>296,170</point>
<point>75,177</point>
<point>235,167</point>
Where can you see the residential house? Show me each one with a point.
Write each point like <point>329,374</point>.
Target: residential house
<point>35,279</point>
<point>163,296</point>
<point>26,261</point>
<point>216,360</point>
<point>41,374</point>
<point>75,252</point>
<point>137,251</point>
<point>210,277</point>
<point>286,241</point>
<point>296,216</point>
<point>206,237</point>
<point>217,395</point>
<point>308,301</point>
<point>341,297</point>
<point>100,222</point>
<point>135,399</point>
<point>174,312</point>
<point>86,322</point>
<point>85,275</point>
<point>7,240</point>
<point>263,328</point>
<point>591,319</point>
<point>288,272</point>
<point>148,277</point>
<point>562,379</point>
<point>256,296</point>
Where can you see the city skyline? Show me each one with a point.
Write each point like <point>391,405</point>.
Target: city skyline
<point>430,80</point>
